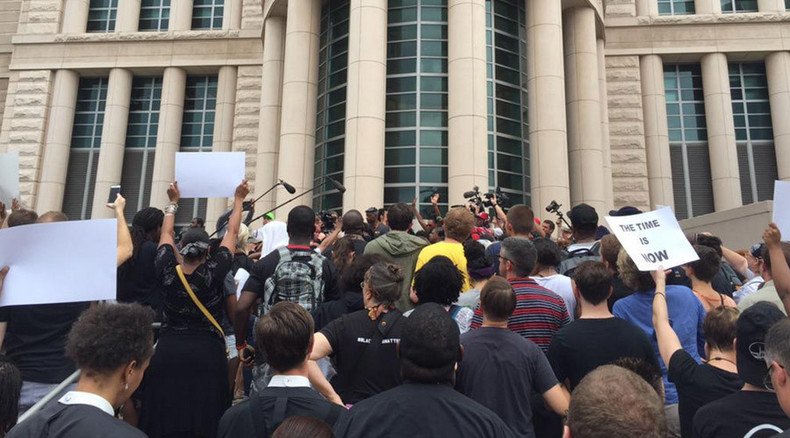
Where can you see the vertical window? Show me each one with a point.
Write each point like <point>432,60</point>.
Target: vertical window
<point>688,140</point>
<point>787,4</point>
<point>101,15</point>
<point>508,132</point>
<point>675,7</point>
<point>138,158</point>
<point>197,134</point>
<point>330,133</point>
<point>85,143</point>
<point>753,131</point>
<point>154,15</point>
<point>415,163</point>
<point>732,6</point>
<point>207,14</point>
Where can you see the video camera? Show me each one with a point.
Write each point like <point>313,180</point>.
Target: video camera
<point>554,207</point>
<point>483,200</point>
<point>328,220</point>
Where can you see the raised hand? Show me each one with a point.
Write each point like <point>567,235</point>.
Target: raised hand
<point>173,193</point>
<point>242,190</point>
<point>772,236</point>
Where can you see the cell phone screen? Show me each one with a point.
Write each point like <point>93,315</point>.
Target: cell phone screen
<point>114,190</point>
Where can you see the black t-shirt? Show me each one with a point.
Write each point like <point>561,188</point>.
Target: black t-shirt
<point>586,344</point>
<point>137,281</point>
<point>241,261</point>
<point>264,268</point>
<point>365,353</point>
<point>619,290</point>
<point>421,410</point>
<point>330,311</point>
<point>240,421</point>
<point>755,413</point>
<point>73,421</point>
<point>499,370</point>
<point>698,385</point>
<point>35,339</point>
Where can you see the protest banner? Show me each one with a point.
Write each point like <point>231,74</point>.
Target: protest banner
<point>209,174</point>
<point>59,262</point>
<point>653,239</point>
<point>782,208</point>
<point>9,177</point>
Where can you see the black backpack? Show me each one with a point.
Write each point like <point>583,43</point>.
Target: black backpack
<point>579,256</point>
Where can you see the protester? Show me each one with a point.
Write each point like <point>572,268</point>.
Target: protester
<point>685,312</point>
<point>274,235</point>
<point>457,226</point>
<point>399,247</point>
<point>584,245</point>
<point>19,217</point>
<point>354,229</point>
<point>241,258</point>
<point>10,388</point>
<point>351,296</point>
<point>701,273</point>
<point>500,368</point>
<point>299,427</point>
<point>597,337</point>
<point>284,337</point>
<point>520,223</point>
<point>725,281</point>
<point>363,344</point>
<point>610,249</point>
<point>112,345</point>
<point>545,273</point>
<point>776,258</point>
<point>777,354</point>
<point>613,402</point>
<point>375,227</point>
<point>697,384</point>
<point>343,253</point>
<point>480,267</point>
<point>539,312</point>
<point>137,281</point>
<point>754,410</point>
<point>426,404</point>
<point>754,260</point>
<point>191,361</point>
<point>548,228</point>
<point>440,282</point>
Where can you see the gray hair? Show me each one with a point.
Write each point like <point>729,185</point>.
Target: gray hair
<point>777,343</point>
<point>521,252</point>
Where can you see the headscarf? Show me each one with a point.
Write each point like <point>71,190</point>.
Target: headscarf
<point>274,235</point>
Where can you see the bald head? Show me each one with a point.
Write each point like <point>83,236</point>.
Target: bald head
<point>497,300</point>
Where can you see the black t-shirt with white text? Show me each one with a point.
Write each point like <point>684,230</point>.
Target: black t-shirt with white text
<point>698,385</point>
<point>753,413</point>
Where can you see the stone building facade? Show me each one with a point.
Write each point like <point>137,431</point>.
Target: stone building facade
<point>610,102</point>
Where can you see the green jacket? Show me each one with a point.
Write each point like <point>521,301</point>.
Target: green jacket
<point>402,248</point>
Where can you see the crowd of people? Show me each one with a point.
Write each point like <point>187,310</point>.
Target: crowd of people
<point>397,322</point>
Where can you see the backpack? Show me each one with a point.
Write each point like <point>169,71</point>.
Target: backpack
<point>579,256</point>
<point>298,278</point>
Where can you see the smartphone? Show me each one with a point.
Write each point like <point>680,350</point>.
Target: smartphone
<point>114,191</point>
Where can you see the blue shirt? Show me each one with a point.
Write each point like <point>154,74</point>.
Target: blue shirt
<point>685,316</point>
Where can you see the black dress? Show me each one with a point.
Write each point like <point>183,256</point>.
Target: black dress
<point>185,390</point>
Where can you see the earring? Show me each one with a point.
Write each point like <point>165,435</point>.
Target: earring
<point>126,386</point>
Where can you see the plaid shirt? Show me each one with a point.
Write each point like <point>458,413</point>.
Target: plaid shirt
<point>539,312</point>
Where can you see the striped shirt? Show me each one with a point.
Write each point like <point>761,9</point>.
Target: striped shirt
<point>538,315</point>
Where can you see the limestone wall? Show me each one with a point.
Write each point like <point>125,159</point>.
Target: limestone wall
<point>620,8</point>
<point>245,125</point>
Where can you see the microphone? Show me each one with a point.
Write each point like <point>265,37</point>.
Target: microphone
<point>289,188</point>
<point>340,187</point>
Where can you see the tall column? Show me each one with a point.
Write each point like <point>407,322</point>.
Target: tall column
<point>55,161</point>
<point>603,94</point>
<point>231,15</point>
<point>224,113</point>
<point>707,7</point>
<point>726,178</point>
<point>299,93</point>
<point>75,16</point>
<point>128,16</point>
<point>363,172</point>
<point>467,111</point>
<point>654,106</point>
<point>271,105</point>
<point>168,134</point>
<point>585,152</point>
<point>113,139</point>
<point>646,8</point>
<point>548,142</point>
<point>777,69</point>
<point>180,15</point>
<point>771,5</point>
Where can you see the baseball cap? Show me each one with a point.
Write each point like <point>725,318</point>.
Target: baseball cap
<point>752,326</point>
<point>757,250</point>
<point>625,211</point>
<point>583,216</point>
<point>372,210</point>
<point>269,216</point>
<point>483,216</point>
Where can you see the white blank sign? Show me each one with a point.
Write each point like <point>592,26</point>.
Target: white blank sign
<point>209,174</point>
<point>59,262</point>
<point>9,177</point>
<point>782,208</point>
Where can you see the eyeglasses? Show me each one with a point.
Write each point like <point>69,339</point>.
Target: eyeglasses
<point>501,257</point>
<point>767,379</point>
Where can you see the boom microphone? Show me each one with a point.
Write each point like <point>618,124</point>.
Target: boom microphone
<point>340,187</point>
<point>471,194</point>
<point>289,188</point>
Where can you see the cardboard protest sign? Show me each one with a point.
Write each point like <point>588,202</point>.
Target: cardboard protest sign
<point>9,177</point>
<point>209,174</point>
<point>782,207</point>
<point>59,262</point>
<point>653,239</point>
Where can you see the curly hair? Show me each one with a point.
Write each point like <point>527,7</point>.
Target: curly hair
<point>111,336</point>
<point>632,276</point>
<point>479,264</point>
<point>385,280</point>
<point>438,281</point>
<point>10,388</point>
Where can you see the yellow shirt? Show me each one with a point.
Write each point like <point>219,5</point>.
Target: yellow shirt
<point>453,251</point>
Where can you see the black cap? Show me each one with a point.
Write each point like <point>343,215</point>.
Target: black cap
<point>757,250</point>
<point>751,328</point>
<point>625,211</point>
<point>583,216</point>
<point>372,210</point>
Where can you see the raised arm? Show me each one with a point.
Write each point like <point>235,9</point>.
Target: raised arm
<point>780,271</point>
<point>169,223</point>
<point>418,216</point>
<point>737,261</point>
<point>435,205</point>
<point>125,246</point>
<point>668,342</point>
<point>331,238</point>
<point>234,223</point>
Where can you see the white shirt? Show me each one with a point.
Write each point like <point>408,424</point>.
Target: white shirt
<point>281,381</point>
<point>86,398</point>
<point>560,285</point>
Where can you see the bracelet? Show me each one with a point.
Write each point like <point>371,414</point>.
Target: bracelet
<point>171,208</point>
<point>661,294</point>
